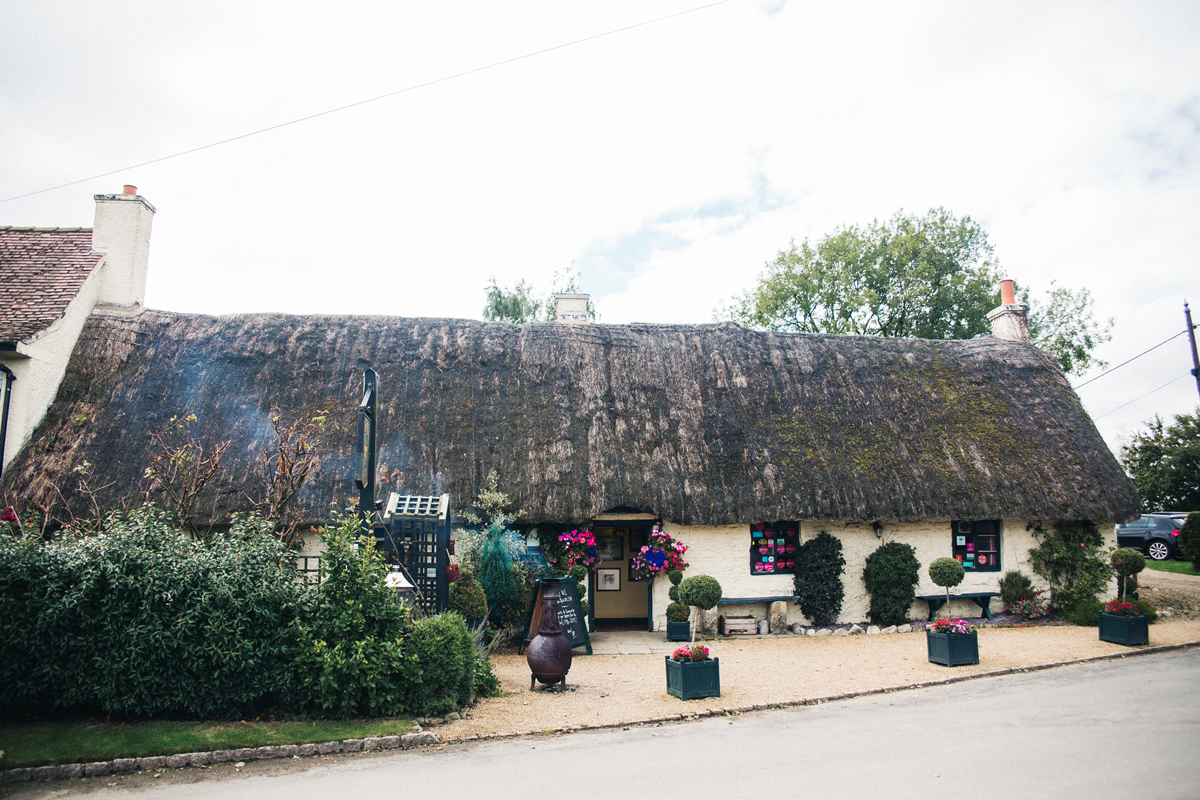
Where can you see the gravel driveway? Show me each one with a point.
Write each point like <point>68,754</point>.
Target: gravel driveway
<point>616,689</point>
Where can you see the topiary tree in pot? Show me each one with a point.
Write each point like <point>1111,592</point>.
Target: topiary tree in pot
<point>946,572</point>
<point>1127,563</point>
<point>890,575</point>
<point>701,591</point>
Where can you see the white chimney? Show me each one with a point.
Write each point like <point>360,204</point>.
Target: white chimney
<point>122,232</point>
<point>1010,320</point>
<point>572,307</point>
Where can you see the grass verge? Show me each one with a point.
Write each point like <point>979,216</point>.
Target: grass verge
<point>36,744</point>
<point>1178,567</point>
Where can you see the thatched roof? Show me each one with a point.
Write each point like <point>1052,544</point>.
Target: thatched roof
<point>701,424</point>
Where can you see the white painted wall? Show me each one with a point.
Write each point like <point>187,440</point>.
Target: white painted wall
<point>724,553</point>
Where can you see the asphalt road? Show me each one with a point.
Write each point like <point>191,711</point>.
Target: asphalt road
<point>1119,729</point>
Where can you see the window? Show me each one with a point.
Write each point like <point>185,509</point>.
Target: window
<point>976,544</point>
<point>773,547</point>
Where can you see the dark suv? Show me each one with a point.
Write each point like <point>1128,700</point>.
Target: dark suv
<point>1153,534</point>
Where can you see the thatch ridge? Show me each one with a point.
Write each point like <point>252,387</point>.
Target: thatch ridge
<point>702,424</point>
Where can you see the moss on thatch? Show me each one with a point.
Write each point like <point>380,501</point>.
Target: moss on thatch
<point>702,424</point>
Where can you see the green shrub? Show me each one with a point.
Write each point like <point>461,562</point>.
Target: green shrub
<point>673,594</point>
<point>891,576</point>
<point>1188,539</point>
<point>1014,587</point>
<point>678,612</point>
<point>501,584</point>
<point>350,659</point>
<point>701,591</point>
<point>1069,557</point>
<point>674,576</point>
<point>818,579</point>
<point>1085,612</point>
<point>468,599</point>
<point>443,669</point>
<point>143,621</point>
<point>1126,563</point>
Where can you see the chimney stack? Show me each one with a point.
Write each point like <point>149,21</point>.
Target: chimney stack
<point>122,232</point>
<point>572,307</point>
<point>1011,320</point>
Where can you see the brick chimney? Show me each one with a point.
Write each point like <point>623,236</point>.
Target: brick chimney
<point>1009,321</point>
<point>122,232</point>
<point>572,307</point>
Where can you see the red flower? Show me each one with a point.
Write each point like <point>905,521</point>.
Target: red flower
<point>8,515</point>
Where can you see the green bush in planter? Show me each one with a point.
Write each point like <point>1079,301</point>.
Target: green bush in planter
<point>818,579</point>
<point>701,591</point>
<point>468,599</point>
<point>1127,563</point>
<point>1016,586</point>
<point>946,572</point>
<point>891,575</point>
<point>678,612</point>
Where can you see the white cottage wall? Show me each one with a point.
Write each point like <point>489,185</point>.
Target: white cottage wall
<point>724,553</point>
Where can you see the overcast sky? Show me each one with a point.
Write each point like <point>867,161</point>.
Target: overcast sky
<point>667,162</point>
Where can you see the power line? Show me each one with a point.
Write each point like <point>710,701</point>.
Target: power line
<point>374,99</point>
<point>1147,394</point>
<point>1123,363</point>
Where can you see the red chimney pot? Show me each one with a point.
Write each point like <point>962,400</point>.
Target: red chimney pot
<point>130,189</point>
<point>1007,296</point>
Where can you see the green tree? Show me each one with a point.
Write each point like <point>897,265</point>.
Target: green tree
<point>929,277</point>
<point>519,304</point>
<point>1164,463</point>
<point>516,305</point>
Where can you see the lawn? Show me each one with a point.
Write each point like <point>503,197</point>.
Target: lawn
<point>1178,567</point>
<point>35,744</point>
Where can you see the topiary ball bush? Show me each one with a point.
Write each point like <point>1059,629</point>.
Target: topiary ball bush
<point>579,573</point>
<point>946,572</point>
<point>675,576</point>
<point>673,593</point>
<point>701,591</point>
<point>1126,562</point>
<point>678,612</point>
<point>818,579</point>
<point>1189,539</point>
<point>1016,586</point>
<point>891,576</point>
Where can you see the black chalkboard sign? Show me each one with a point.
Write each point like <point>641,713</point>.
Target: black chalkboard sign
<point>570,613</point>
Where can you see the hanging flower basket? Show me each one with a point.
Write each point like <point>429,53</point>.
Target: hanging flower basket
<point>660,555</point>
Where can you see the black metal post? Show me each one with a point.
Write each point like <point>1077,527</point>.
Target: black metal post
<point>365,455</point>
<point>9,377</point>
<point>1187,314</point>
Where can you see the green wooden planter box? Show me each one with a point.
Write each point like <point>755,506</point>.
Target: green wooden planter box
<point>679,631</point>
<point>1124,630</point>
<point>953,649</point>
<point>688,680</point>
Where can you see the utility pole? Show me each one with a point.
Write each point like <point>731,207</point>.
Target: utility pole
<point>1187,313</point>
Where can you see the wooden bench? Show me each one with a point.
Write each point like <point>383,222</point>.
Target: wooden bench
<point>982,599</point>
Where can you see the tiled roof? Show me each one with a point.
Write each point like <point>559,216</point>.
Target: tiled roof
<point>41,271</point>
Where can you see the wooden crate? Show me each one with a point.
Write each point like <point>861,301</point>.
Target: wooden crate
<point>737,626</point>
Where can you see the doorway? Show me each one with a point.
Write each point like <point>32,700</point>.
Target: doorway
<point>620,602</point>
